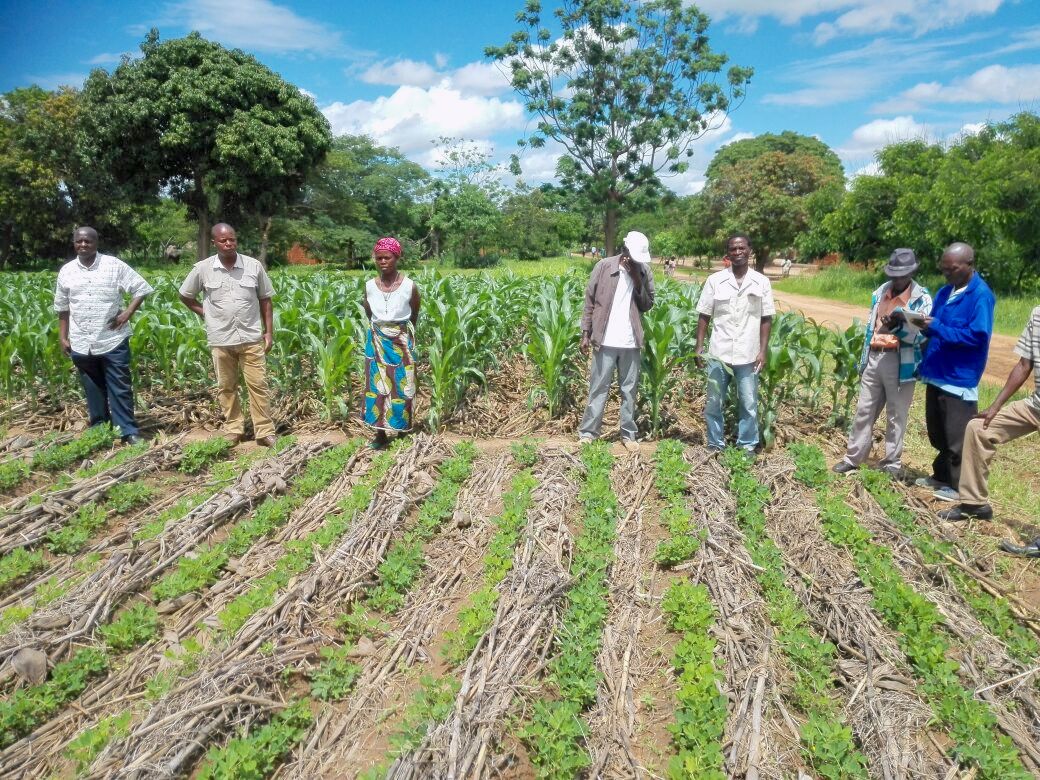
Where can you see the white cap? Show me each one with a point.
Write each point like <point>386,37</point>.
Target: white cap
<point>638,247</point>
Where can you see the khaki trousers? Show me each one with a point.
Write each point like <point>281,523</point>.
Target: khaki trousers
<point>879,389</point>
<point>1015,420</point>
<point>250,360</point>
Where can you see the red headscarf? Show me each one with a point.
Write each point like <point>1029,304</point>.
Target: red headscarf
<point>388,244</point>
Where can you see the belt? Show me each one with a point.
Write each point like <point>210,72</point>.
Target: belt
<point>884,349</point>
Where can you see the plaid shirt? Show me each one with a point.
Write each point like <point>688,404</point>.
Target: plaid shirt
<point>910,338</point>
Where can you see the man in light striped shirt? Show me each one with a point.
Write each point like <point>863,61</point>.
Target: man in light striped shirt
<point>94,329</point>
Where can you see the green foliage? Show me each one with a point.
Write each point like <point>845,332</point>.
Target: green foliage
<point>769,187</point>
<point>335,677</point>
<point>669,338</point>
<point>128,495</point>
<point>433,703</point>
<point>118,458</point>
<point>202,122</point>
<point>76,532</point>
<point>978,740</point>
<point>555,334</point>
<point>60,456</point>
<point>89,744</point>
<point>403,562</point>
<point>171,515</point>
<point>670,472</point>
<point>626,93</point>
<point>197,455</point>
<point>13,472</point>
<point>17,564</point>
<point>256,755</point>
<point>525,452</point>
<point>810,659</point>
<point>137,625</point>
<point>477,614</point>
<point>28,707</point>
<point>700,716</point>
<point>552,734</point>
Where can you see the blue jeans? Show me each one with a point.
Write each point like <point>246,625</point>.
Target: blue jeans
<point>747,404</point>
<point>107,386</point>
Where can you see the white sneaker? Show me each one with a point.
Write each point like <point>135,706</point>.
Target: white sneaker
<point>930,483</point>
<point>631,445</point>
<point>947,493</point>
<point>584,438</point>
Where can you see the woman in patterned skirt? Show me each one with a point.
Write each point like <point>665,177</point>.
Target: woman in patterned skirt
<point>392,304</point>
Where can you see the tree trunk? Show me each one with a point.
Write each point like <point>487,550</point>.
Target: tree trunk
<point>762,254</point>
<point>265,235</point>
<point>610,221</point>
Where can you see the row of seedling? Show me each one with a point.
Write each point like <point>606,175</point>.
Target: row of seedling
<point>973,728</point>
<point>57,457</point>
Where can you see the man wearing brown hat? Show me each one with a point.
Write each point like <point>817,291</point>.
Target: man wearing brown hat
<point>888,366</point>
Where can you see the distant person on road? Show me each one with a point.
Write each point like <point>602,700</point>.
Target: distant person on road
<point>958,333</point>
<point>785,267</point>
<point>595,253</point>
<point>94,329</point>
<point>392,304</point>
<point>239,315</point>
<point>999,424</point>
<point>888,366</point>
<point>619,291</point>
<point>739,302</point>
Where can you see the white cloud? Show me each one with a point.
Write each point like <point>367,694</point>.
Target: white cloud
<point>55,80</point>
<point>857,17</point>
<point>412,117</point>
<point>480,78</point>
<point>106,58</point>
<point>867,139</point>
<point>402,73</point>
<point>257,25</point>
<point>995,84</point>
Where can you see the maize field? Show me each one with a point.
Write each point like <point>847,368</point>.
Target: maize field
<point>486,598</point>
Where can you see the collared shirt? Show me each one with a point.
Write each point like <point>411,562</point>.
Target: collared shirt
<point>736,310</point>
<point>1028,347</point>
<point>230,299</point>
<point>93,295</point>
<point>599,299</point>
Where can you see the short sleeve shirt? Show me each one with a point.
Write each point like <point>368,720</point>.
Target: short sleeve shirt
<point>736,311</point>
<point>230,299</point>
<point>93,295</point>
<point>1028,347</point>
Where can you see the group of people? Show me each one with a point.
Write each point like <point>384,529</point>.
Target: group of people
<point>942,342</point>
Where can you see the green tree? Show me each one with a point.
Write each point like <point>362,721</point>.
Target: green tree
<point>360,192</point>
<point>214,128</point>
<point>769,188</point>
<point>624,90</point>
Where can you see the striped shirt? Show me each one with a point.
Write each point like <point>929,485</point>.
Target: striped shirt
<point>93,295</point>
<point>1028,347</point>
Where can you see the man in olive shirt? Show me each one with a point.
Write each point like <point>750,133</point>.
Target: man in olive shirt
<point>236,302</point>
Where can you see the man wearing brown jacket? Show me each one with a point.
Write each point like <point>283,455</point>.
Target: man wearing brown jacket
<point>620,290</point>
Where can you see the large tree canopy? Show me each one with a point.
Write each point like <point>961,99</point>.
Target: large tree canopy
<point>214,128</point>
<point>770,188</point>
<point>624,89</point>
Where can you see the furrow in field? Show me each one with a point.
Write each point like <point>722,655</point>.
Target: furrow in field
<point>349,735</point>
<point>475,739</point>
<point>146,671</point>
<point>628,666</point>
<point>132,567</point>
<point>236,681</point>
<point>29,525</point>
<point>879,696</point>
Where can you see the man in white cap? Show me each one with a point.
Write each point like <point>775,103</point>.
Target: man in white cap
<point>620,289</point>
<point>888,365</point>
<point>739,301</point>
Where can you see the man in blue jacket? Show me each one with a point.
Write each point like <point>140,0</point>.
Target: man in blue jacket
<point>958,335</point>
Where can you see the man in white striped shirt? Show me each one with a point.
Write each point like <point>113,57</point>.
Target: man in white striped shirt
<point>94,329</point>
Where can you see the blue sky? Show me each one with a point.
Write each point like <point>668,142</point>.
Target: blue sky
<point>856,73</point>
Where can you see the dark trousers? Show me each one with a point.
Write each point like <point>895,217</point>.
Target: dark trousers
<point>947,418</point>
<point>107,386</point>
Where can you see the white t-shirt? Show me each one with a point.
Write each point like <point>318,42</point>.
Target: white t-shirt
<point>618,334</point>
<point>394,306</point>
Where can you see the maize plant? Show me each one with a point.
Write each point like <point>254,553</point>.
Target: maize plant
<point>669,338</point>
<point>554,333</point>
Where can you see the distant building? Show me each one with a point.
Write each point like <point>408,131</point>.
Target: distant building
<point>298,256</point>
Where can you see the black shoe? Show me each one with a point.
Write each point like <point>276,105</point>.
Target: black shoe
<point>133,438</point>
<point>843,467</point>
<point>1031,550</point>
<point>967,512</point>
